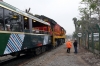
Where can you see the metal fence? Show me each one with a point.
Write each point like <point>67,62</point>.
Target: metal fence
<point>90,39</point>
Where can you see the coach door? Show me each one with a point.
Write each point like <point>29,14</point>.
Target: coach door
<point>27,24</point>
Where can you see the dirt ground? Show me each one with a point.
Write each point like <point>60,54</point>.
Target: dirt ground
<point>89,57</point>
<point>59,57</point>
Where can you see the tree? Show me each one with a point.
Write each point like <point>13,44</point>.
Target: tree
<point>75,21</point>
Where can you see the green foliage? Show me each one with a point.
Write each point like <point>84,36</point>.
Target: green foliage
<point>96,45</point>
<point>93,6</point>
<point>74,34</point>
<point>79,23</point>
<point>75,20</point>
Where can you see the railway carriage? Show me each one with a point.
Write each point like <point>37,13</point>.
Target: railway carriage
<point>19,33</point>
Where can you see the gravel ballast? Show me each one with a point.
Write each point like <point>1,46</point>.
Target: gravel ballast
<point>59,57</point>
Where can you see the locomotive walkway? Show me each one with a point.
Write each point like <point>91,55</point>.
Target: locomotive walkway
<point>59,57</point>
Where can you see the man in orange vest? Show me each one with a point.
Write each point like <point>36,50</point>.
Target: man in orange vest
<point>68,45</point>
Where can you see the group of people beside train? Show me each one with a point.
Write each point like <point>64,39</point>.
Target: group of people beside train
<point>69,46</point>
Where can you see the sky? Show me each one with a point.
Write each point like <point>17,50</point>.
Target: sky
<point>62,11</point>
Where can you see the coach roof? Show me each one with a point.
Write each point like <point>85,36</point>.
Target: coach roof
<point>12,8</point>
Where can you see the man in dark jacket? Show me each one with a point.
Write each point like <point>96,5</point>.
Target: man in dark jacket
<point>75,46</point>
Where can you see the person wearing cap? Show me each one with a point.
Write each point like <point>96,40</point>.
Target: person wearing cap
<point>68,45</point>
<point>75,45</point>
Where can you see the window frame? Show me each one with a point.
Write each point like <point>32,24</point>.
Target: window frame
<point>21,20</point>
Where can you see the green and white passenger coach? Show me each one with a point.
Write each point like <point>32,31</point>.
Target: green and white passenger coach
<point>17,33</point>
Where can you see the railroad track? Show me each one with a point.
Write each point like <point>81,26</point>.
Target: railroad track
<point>13,61</point>
<point>18,61</point>
<point>2,61</point>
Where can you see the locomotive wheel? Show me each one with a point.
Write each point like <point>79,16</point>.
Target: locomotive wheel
<point>56,43</point>
<point>38,50</point>
<point>43,49</point>
<point>18,55</point>
<point>61,41</point>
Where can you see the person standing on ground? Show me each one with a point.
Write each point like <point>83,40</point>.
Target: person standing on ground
<point>75,45</point>
<point>68,45</point>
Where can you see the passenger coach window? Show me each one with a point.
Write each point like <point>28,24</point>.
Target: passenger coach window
<point>7,18</point>
<point>1,19</point>
<point>26,23</point>
<point>13,21</point>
